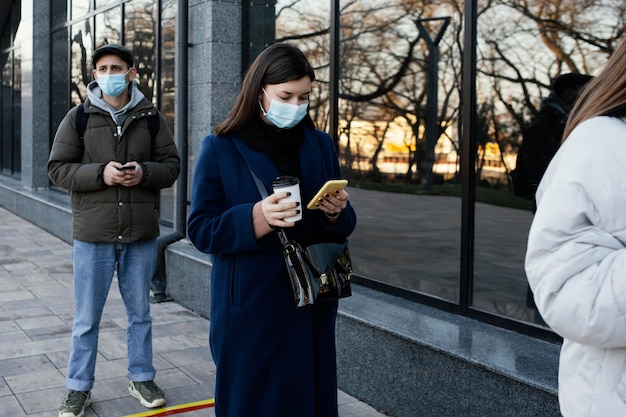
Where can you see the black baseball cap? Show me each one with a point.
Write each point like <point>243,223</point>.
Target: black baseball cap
<point>112,49</point>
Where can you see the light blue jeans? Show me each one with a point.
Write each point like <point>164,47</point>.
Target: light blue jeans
<point>94,267</point>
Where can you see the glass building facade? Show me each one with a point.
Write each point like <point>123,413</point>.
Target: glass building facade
<point>393,89</point>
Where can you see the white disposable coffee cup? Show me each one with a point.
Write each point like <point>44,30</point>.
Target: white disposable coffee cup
<point>292,185</point>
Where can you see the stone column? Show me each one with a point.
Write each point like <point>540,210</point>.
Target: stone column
<point>35,94</point>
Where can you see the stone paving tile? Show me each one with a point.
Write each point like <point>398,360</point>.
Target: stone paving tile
<point>173,342</point>
<point>35,381</point>
<point>39,322</point>
<point>187,357</point>
<point>9,285</point>
<point>174,378</point>
<point>15,337</point>
<point>50,293</point>
<point>4,388</point>
<point>202,373</point>
<point>18,295</point>
<point>20,309</point>
<point>50,413</point>
<point>18,366</point>
<point>52,332</point>
<point>11,408</point>
<point>194,329</point>
<point>160,364</point>
<point>64,311</point>
<point>7,327</point>
<point>106,369</point>
<point>41,401</point>
<point>59,359</point>
<point>25,349</point>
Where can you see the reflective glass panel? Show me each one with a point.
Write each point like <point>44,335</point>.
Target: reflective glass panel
<point>168,51</point>
<point>167,90</point>
<point>81,48</point>
<point>109,27</point>
<point>19,34</point>
<point>140,33</point>
<point>522,48</point>
<point>102,3</point>
<point>401,160</point>
<point>80,8</point>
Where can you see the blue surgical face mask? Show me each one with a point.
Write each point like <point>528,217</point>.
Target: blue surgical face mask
<point>284,115</point>
<point>113,84</point>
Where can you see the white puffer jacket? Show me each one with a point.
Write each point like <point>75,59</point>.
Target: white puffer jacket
<point>576,266</point>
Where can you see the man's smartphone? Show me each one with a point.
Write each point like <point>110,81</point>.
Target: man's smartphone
<point>329,188</point>
<point>126,168</point>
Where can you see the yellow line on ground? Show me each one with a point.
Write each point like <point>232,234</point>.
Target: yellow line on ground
<point>177,409</point>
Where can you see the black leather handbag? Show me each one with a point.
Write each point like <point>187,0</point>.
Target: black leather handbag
<point>319,272</point>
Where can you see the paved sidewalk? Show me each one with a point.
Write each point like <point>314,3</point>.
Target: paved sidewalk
<point>36,310</point>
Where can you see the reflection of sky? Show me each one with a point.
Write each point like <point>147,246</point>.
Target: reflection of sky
<point>518,38</point>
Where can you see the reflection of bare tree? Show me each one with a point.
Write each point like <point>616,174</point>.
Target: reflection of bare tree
<point>167,62</point>
<point>383,62</point>
<point>108,27</point>
<point>140,31</point>
<point>80,78</point>
<point>574,36</point>
<point>382,70</point>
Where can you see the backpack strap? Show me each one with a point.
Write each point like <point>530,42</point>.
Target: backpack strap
<point>154,124</point>
<point>81,123</point>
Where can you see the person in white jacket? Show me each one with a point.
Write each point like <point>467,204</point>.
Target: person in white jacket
<point>576,255</point>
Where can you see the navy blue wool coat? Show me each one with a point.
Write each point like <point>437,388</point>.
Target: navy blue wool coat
<point>272,359</point>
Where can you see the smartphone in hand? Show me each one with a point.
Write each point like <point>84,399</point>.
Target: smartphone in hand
<point>126,168</point>
<point>329,188</point>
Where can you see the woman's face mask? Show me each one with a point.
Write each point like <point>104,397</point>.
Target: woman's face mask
<point>284,115</point>
<point>113,84</point>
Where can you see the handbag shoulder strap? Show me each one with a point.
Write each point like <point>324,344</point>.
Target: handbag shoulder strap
<point>259,184</point>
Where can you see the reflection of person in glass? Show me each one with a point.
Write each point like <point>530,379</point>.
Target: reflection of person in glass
<point>576,256</point>
<point>271,358</point>
<point>113,171</point>
<point>542,136</point>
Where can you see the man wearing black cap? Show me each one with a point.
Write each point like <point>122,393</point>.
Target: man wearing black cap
<point>113,170</point>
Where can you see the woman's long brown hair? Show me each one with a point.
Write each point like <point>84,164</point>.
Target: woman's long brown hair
<point>604,93</point>
<point>279,63</point>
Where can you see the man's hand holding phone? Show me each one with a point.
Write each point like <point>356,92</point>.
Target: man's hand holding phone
<point>126,175</point>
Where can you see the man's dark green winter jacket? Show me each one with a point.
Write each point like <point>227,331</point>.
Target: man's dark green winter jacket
<point>103,213</point>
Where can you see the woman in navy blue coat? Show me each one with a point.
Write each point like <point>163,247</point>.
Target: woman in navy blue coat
<point>272,359</point>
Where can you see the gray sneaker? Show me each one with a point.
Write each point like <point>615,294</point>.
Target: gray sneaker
<point>75,403</point>
<point>148,393</point>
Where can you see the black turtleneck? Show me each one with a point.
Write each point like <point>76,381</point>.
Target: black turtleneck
<point>280,145</point>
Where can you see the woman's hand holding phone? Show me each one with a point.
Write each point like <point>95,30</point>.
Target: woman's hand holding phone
<point>330,188</point>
